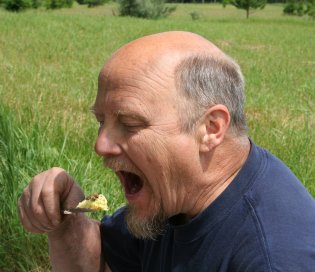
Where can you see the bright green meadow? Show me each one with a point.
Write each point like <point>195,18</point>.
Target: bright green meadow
<point>49,63</point>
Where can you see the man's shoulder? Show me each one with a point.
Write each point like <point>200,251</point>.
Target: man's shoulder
<point>275,187</point>
<point>273,180</point>
<point>282,213</point>
<point>278,216</point>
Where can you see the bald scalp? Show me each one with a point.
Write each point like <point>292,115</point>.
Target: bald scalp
<point>201,73</point>
<point>166,49</point>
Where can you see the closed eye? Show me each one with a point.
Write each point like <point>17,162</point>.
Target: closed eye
<point>131,127</point>
<point>131,123</point>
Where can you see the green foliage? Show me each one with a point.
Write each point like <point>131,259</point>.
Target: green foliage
<point>57,4</point>
<point>311,12</point>
<point>17,5</point>
<point>129,7</point>
<point>94,3</point>
<point>247,5</point>
<point>36,3</point>
<point>20,5</point>
<point>289,8</point>
<point>15,150</point>
<point>151,9</point>
<point>300,8</point>
<point>194,15</point>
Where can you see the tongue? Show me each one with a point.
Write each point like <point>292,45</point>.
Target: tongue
<point>135,187</point>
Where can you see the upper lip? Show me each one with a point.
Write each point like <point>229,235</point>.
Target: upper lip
<point>118,166</point>
<point>122,169</point>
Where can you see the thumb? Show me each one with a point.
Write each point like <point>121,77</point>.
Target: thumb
<point>72,197</point>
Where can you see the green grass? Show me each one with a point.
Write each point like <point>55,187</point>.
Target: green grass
<point>49,63</point>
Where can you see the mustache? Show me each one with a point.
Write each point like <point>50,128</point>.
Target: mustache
<point>116,165</point>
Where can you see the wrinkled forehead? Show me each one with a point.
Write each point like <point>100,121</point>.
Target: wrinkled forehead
<point>143,85</point>
<point>150,77</point>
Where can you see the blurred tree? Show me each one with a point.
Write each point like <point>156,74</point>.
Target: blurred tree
<point>92,3</point>
<point>36,3</point>
<point>247,5</point>
<point>17,5</point>
<point>56,4</point>
<point>151,9</point>
<point>300,8</point>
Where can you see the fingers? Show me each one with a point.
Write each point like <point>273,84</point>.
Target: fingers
<point>26,215</point>
<point>39,205</point>
<point>29,223</point>
<point>32,213</point>
<point>24,218</point>
<point>51,202</point>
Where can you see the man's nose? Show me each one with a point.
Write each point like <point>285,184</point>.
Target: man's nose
<point>106,145</point>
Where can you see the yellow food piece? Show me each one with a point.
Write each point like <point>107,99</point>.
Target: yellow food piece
<point>96,202</point>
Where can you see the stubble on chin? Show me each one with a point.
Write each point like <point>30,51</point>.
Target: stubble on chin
<point>147,228</point>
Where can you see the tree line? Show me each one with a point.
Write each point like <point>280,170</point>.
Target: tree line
<point>154,9</point>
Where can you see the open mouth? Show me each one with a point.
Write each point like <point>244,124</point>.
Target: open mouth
<point>131,182</point>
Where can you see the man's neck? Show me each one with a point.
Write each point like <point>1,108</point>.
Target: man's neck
<point>222,166</point>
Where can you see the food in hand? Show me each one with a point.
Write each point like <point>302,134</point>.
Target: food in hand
<point>96,202</point>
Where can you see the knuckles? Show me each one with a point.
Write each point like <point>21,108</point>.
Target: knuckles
<point>47,192</point>
<point>38,205</point>
<point>55,171</point>
<point>33,203</point>
<point>37,211</point>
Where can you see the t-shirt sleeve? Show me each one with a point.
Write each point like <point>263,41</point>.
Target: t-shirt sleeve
<point>119,248</point>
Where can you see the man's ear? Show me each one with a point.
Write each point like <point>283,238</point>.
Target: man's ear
<point>213,127</point>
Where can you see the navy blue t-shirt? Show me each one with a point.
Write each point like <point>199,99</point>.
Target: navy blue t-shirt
<point>263,221</point>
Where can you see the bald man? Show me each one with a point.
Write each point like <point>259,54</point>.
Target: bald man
<point>200,195</point>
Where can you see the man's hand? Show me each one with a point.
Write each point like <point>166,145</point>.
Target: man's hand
<point>74,240</point>
<point>43,199</point>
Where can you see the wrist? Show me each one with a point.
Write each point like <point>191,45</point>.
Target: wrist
<point>67,226</point>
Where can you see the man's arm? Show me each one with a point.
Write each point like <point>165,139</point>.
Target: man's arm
<point>74,240</point>
<point>76,245</point>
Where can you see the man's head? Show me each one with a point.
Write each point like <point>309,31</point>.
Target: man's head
<point>165,103</point>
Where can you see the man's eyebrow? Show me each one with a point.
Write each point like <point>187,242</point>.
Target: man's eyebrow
<point>130,114</point>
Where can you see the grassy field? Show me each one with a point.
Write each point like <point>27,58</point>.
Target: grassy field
<point>49,63</point>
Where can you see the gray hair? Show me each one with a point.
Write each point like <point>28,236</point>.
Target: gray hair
<point>205,81</point>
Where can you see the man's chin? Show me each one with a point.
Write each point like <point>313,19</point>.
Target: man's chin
<point>145,227</point>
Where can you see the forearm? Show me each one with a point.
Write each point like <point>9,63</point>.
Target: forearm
<point>76,245</point>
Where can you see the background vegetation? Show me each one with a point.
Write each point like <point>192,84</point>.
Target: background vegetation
<point>49,63</point>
